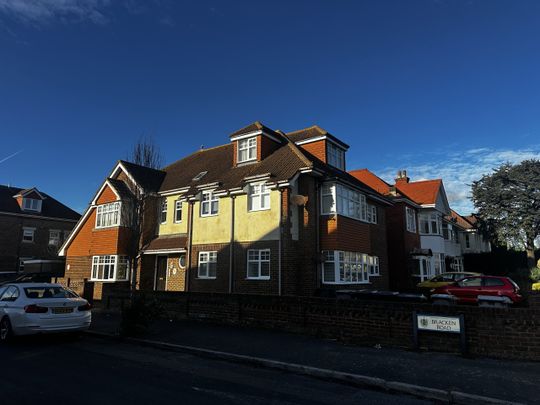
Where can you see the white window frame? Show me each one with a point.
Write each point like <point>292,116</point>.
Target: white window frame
<point>178,209</point>
<point>113,263</point>
<point>258,197</point>
<point>207,204</point>
<point>109,214</point>
<point>346,201</point>
<point>163,211</point>
<point>424,267</point>
<point>335,156</point>
<point>430,219</point>
<point>346,267</point>
<point>374,268</point>
<point>249,146</point>
<point>29,232</point>
<point>410,219</point>
<point>259,260</point>
<point>55,240</point>
<point>31,204</point>
<point>207,259</point>
<point>372,214</point>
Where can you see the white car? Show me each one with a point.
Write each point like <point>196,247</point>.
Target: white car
<point>29,308</point>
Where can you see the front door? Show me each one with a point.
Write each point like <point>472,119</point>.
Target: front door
<point>161,273</point>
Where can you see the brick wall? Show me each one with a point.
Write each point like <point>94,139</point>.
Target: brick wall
<point>12,247</point>
<point>317,149</point>
<point>502,333</point>
<point>400,244</point>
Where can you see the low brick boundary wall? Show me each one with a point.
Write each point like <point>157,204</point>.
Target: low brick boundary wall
<point>494,332</point>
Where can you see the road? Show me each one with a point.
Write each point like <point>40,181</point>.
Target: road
<point>59,369</point>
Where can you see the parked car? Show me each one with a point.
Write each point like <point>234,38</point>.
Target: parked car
<point>30,308</point>
<point>468,290</point>
<point>443,279</point>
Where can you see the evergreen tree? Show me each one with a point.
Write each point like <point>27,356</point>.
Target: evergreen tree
<point>508,201</point>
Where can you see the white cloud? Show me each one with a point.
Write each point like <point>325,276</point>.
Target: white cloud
<point>43,11</point>
<point>459,169</point>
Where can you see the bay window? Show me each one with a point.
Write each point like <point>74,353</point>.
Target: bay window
<point>110,268</point>
<point>339,199</point>
<point>410,216</point>
<point>108,215</point>
<point>341,267</point>
<point>430,224</point>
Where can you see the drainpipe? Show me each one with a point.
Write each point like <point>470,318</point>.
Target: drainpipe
<point>318,276</point>
<point>189,243</point>
<point>231,246</point>
<point>279,240</point>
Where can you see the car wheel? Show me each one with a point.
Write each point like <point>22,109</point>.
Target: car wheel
<point>6,333</point>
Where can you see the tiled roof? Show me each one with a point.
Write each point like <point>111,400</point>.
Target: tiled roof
<point>313,132</point>
<point>421,192</point>
<point>372,180</point>
<point>149,179</point>
<point>256,126</point>
<point>49,206</point>
<point>121,188</point>
<point>167,242</point>
<point>282,164</point>
<point>459,220</point>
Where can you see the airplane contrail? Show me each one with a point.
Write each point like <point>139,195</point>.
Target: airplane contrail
<point>10,156</point>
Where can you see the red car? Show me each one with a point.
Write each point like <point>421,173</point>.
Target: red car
<point>468,289</point>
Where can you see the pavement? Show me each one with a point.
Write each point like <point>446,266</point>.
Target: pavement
<point>57,369</point>
<point>515,381</point>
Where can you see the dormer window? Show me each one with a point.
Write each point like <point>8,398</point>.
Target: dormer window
<point>247,150</point>
<point>335,156</point>
<point>32,204</point>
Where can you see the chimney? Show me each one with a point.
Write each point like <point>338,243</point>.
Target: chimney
<point>402,177</point>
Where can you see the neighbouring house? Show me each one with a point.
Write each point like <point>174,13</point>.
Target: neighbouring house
<point>267,213</point>
<point>103,246</point>
<point>32,227</point>
<point>404,248</point>
<point>470,239</point>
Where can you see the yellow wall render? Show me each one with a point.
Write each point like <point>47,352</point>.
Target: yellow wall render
<point>257,225</point>
<point>170,227</point>
<point>213,228</point>
<point>249,226</point>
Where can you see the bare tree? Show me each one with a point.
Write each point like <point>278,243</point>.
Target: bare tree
<point>141,208</point>
<point>146,153</point>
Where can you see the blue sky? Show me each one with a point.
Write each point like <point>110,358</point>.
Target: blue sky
<point>441,88</point>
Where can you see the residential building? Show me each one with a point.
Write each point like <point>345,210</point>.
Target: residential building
<point>32,227</point>
<point>469,236</point>
<point>404,249</point>
<point>266,213</point>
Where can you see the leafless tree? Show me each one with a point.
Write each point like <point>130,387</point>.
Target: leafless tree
<point>141,209</point>
<point>146,153</point>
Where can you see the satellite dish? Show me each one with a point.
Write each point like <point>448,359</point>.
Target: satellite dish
<point>298,199</point>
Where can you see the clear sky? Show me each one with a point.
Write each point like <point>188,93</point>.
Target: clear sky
<point>442,88</point>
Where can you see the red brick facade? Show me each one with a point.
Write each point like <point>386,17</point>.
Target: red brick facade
<point>317,149</point>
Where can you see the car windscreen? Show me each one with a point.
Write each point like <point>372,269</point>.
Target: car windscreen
<point>48,292</point>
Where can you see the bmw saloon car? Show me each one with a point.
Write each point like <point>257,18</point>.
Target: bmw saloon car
<point>31,308</point>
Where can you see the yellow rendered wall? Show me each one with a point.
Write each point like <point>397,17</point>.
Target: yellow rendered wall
<point>170,226</point>
<point>249,226</point>
<point>257,225</point>
<point>215,228</point>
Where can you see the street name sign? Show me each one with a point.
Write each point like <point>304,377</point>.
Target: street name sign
<point>439,323</point>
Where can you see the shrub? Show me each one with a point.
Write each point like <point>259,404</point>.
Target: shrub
<point>535,274</point>
<point>138,316</point>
